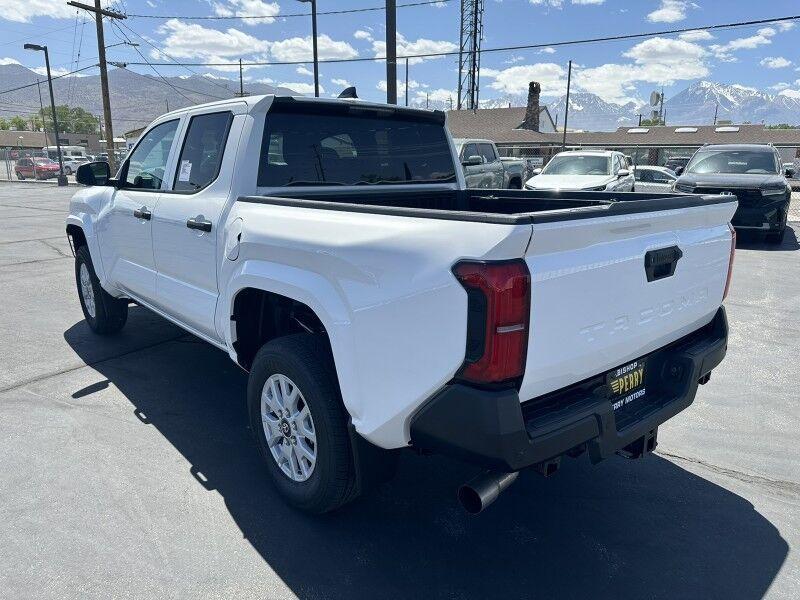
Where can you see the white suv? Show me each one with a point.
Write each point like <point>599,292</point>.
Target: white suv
<point>584,170</point>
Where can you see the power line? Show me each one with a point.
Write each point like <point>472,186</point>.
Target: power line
<point>284,15</point>
<point>160,51</point>
<point>612,38</point>
<point>22,87</point>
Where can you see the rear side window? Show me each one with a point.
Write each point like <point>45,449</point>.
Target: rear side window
<point>487,152</point>
<point>201,155</point>
<point>344,145</point>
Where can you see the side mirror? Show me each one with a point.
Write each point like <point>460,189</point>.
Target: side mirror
<point>537,171</point>
<point>93,173</point>
<point>789,173</point>
<point>678,171</point>
<point>472,161</point>
<point>623,173</point>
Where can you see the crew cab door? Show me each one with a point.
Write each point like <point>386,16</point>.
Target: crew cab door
<point>187,222</point>
<point>125,226</point>
<point>494,172</point>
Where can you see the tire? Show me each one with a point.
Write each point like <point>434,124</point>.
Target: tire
<point>67,170</point>
<point>105,314</point>
<point>20,176</point>
<point>305,361</point>
<point>776,238</point>
<point>515,184</point>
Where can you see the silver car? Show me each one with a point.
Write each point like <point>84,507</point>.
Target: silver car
<point>653,179</point>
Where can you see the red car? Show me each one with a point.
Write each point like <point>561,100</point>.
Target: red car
<point>36,168</point>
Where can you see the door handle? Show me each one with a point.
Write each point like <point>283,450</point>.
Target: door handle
<point>199,223</point>
<point>142,213</point>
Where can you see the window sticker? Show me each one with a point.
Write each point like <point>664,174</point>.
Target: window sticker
<point>186,170</point>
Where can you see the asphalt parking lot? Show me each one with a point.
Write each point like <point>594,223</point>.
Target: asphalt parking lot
<point>129,470</point>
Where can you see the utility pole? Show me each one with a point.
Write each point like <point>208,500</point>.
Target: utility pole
<point>406,82</point>
<point>566,107</point>
<point>640,119</point>
<point>241,80</point>
<point>661,106</point>
<point>716,109</point>
<point>99,13</point>
<point>391,52</point>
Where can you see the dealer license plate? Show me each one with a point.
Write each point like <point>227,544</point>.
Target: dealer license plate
<point>626,384</point>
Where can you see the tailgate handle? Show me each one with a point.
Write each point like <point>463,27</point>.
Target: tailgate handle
<point>661,263</point>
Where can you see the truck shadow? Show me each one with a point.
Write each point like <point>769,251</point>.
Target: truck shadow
<point>621,529</point>
<point>746,240</point>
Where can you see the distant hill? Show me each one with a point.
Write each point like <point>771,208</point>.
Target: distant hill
<point>135,99</point>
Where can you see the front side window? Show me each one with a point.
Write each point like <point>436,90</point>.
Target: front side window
<point>742,162</point>
<point>201,156</point>
<point>333,145</point>
<point>469,150</point>
<point>487,152</point>
<point>578,165</point>
<point>661,177</point>
<point>148,162</point>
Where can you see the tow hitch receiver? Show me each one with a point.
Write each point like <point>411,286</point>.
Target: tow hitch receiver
<point>641,446</point>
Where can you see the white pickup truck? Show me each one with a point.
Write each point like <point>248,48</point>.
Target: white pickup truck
<point>331,249</point>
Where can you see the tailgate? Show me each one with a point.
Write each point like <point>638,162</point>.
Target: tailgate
<point>592,305</point>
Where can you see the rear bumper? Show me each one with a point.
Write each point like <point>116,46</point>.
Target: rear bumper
<point>492,429</point>
<point>765,217</point>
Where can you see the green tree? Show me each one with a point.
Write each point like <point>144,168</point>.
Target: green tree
<point>19,123</point>
<point>783,126</point>
<point>4,125</point>
<point>652,122</point>
<point>70,119</point>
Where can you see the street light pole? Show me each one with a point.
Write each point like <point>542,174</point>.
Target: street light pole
<point>314,43</point>
<point>62,179</point>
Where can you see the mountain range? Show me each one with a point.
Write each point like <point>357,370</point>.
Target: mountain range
<point>136,99</point>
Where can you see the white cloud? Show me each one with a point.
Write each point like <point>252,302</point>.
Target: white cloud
<point>775,62</point>
<point>341,83</point>
<point>437,95</point>
<point>401,85</point>
<point>247,8</point>
<point>550,3</point>
<point>185,40</point>
<point>360,34</point>
<point>786,25</point>
<point>669,11</point>
<point>547,50</point>
<point>301,88</point>
<point>791,94</point>
<point>298,48</point>
<point>780,86</point>
<point>420,46</point>
<point>301,70</point>
<point>23,11</point>
<point>761,38</point>
<point>9,61</point>
<point>588,1</point>
<point>54,71</point>
<point>698,35</point>
<point>514,80</point>
<point>267,80</point>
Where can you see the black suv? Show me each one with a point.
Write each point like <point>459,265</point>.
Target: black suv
<point>753,173</point>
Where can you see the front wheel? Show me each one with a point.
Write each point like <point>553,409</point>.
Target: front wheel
<point>104,313</point>
<point>20,176</point>
<point>300,424</point>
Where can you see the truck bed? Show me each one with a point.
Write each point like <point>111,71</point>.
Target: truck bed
<point>490,206</point>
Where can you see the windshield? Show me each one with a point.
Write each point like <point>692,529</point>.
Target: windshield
<point>578,165</point>
<point>733,161</point>
<point>306,145</point>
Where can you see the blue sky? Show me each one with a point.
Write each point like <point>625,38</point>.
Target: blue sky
<point>763,57</point>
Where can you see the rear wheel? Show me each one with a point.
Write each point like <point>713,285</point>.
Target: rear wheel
<point>776,237</point>
<point>300,424</point>
<point>104,313</point>
<point>515,184</point>
<point>67,170</point>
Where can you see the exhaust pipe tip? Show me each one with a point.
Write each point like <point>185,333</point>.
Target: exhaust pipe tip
<point>478,493</point>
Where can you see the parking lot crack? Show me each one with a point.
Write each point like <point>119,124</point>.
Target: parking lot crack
<point>759,480</point>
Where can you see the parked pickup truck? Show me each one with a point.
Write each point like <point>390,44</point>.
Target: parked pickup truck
<point>330,247</point>
<point>484,168</point>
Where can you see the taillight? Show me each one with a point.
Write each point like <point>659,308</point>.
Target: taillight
<point>730,262</point>
<point>499,301</point>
